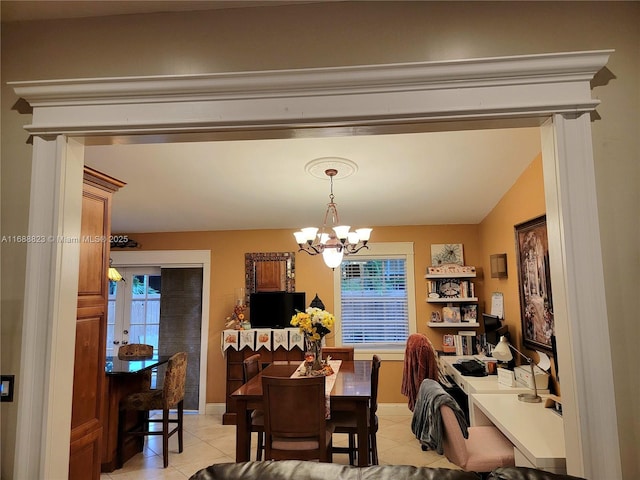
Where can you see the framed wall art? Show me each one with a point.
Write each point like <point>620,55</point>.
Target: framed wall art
<point>534,283</point>
<point>447,253</point>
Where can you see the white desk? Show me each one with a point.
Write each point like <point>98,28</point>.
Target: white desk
<point>537,433</point>
<point>471,385</point>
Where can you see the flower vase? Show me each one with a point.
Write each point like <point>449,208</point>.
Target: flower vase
<point>313,353</point>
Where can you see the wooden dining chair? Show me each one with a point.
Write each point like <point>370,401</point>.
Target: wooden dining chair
<point>295,422</point>
<point>170,396</point>
<point>135,350</point>
<point>338,353</point>
<point>345,422</point>
<point>252,366</point>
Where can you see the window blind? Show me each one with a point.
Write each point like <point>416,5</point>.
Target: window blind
<point>374,301</point>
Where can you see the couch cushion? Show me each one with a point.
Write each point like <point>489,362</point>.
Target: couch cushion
<point>522,473</point>
<point>304,470</point>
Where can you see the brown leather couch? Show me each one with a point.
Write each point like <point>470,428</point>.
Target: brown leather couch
<point>302,470</point>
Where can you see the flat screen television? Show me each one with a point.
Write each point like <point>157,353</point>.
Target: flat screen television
<point>275,309</point>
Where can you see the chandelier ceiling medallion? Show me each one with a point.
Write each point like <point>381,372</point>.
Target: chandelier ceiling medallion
<point>334,240</point>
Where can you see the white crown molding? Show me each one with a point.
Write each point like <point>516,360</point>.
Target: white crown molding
<point>543,84</point>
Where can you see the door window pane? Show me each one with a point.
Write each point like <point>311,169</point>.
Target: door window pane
<point>111,316</point>
<point>145,309</point>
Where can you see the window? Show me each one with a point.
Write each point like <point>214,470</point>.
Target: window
<point>375,293</point>
<point>134,308</point>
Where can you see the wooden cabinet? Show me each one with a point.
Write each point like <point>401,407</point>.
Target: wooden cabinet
<point>118,387</point>
<point>269,276</point>
<point>91,323</point>
<point>234,360</point>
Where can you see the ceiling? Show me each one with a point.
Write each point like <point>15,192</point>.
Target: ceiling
<point>402,179</point>
<point>26,10</point>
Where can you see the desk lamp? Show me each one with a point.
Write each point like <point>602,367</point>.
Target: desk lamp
<point>502,353</point>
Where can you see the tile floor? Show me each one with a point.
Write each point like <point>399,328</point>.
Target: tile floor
<point>207,441</point>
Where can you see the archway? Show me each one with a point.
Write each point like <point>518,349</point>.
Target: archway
<point>551,90</point>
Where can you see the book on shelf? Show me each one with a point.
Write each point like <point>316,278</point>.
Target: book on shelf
<point>465,342</point>
<point>467,289</point>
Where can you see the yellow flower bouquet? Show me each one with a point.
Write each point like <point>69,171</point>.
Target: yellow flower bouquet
<point>313,323</point>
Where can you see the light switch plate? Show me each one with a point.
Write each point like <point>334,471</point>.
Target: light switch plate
<point>6,388</point>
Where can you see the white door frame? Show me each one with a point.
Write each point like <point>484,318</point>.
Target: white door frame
<point>549,89</point>
<point>179,259</point>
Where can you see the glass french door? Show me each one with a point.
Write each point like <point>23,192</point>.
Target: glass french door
<point>134,308</point>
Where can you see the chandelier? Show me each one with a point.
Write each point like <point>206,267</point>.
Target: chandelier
<point>337,242</point>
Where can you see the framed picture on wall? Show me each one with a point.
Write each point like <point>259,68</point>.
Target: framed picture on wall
<point>447,253</point>
<point>534,283</point>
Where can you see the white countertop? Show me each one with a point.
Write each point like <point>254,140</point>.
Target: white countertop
<point>537,432</point>
<point>469,384</point>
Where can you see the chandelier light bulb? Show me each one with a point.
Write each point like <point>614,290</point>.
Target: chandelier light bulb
<point>342,231</point>
<point>332,258</point>
<point>324,238</point>
<point>353,238</point>
<point>310,233</point>
<point>364,234</point>
<point>301,237</point>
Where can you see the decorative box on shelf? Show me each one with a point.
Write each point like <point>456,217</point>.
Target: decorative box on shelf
<point>452,270</point>
<point>523,376</point>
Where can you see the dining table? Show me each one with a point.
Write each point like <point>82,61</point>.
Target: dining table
<point>123,377</point>
<point>351,392</point>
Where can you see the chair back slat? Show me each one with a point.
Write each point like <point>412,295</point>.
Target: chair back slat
<point>295,416</point>
<point>339,353</point>
<point>454,445</point>
<point>135,350</point>
<point>175,379</point>
<point>251,366</point>
<point>375,375</point>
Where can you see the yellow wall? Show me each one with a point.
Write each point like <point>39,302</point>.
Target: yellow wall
<point>312,276</point>
<point>524,201</point>
<point>494,235</point>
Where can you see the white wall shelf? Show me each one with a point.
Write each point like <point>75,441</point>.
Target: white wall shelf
<point>450,275</point>
<point>453,325</point>
<point>453,300</point>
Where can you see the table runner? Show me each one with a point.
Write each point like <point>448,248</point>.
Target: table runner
<point>329,381</point>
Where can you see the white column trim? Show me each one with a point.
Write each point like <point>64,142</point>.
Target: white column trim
<point>579,297</point>
<point>530,87</point>
<point>50,310</point>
